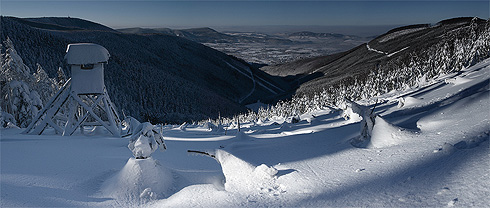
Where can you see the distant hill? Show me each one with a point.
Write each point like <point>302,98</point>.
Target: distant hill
<point>206,35</point>
<point>63,23</point>
<point>139,30</point>
<point>307,34</point>
<point>151,77</point>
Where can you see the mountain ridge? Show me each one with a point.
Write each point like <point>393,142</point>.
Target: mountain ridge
<point>202,35</point>
<point>63,23</point>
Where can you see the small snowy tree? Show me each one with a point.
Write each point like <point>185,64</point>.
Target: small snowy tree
<point>146,140</point>
<point>43,84</point>
<point>61,77</point>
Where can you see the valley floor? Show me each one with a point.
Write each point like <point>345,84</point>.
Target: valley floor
<point>429,148</point>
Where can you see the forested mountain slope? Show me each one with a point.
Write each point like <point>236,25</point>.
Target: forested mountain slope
<point>398,59</point>
<point>151,77</point>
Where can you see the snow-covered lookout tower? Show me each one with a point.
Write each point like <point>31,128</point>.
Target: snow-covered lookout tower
<point>83,101</point>
<point>87,67</point>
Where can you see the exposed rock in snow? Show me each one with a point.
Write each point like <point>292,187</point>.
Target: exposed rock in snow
<point>452,202</point>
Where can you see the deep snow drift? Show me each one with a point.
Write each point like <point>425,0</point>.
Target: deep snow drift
<point>428,147</point>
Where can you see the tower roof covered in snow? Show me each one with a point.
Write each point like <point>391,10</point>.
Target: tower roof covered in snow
<point>86,53</point>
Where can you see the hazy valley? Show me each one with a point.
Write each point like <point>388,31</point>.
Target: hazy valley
<point>262,48</point>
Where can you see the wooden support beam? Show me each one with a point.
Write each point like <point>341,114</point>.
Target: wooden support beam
<point>78,112</point>
<point>94,115</point>
<point>48,106</point>
<point>82,119</point>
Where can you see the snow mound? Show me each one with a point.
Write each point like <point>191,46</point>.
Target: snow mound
<point>243,177</point>
<point>457,80</point>
<point>448,148</point>
<point>7,120</point>
<point>285,126</point>
<point>242,137</point>
<point>408,101</point>
<point>139,181</point>
<point>385,134</point>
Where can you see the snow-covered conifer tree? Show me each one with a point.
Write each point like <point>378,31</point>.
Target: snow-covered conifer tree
<point>17,84</point>
<point>45,86</point>
<point>21,103</point>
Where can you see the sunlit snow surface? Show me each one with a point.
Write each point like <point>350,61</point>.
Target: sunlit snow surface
<point>429,148</point>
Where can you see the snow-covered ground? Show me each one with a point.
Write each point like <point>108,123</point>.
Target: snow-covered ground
<point>429,148</point>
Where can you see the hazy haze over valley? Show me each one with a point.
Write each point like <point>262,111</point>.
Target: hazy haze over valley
<point>267,48</point>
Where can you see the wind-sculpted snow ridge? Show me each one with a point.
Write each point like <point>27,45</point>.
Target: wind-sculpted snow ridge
<point>385,134</point>
<point>376,132</point>
<point>243,177</point>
